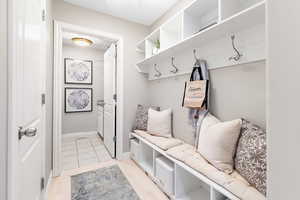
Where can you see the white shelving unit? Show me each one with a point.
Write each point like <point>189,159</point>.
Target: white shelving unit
<point>189,184</point>
<point>181,32</point>
<point>198,15</point>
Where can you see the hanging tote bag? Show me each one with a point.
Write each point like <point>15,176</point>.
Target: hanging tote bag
<point>195,91</point>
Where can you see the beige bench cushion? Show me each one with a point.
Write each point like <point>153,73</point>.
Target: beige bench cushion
<point>161,142</point>
<point>234,182</point>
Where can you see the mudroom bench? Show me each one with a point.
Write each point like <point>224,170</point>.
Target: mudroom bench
<point>178,180</point>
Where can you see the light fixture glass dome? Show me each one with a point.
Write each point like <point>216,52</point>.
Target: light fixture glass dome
<point>83,42</point>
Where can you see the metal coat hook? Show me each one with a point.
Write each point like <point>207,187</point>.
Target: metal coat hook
<point>197,60</point>
<point>238,54</point>
<point>158,73</point>
<point>175,70</point>
<point>195,56</point>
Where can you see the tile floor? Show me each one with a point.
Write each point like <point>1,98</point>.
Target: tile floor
<point>83,150</point>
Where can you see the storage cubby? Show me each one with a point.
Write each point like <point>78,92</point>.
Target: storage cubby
<point>215,195</point>
<point>232,7</point>
<point>135,149</point>
<point>164,174</point>
<point>189,187</point>
<point>171,32</point>
<point>200,15</point>
<point>150,43</point>
<point>146,158</point>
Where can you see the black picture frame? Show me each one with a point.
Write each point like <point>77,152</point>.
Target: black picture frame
<point>77,83</point>
<point>77,88</point>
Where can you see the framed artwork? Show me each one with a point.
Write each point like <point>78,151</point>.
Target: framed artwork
<point>78,71</point>
<point>78,100</point>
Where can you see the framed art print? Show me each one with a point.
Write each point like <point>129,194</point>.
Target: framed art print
<point>78,100</point>
<point>78,71</point>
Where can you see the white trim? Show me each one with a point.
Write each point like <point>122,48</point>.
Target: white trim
<point>79,134</point>
<point>58,83</point>
<point>46,191</point>
<point>3,99</point>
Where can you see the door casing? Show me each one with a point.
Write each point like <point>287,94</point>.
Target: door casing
<point>3,99</point>
<point>58,85</point>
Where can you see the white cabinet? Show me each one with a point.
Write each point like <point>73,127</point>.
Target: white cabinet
<point>100,127</point>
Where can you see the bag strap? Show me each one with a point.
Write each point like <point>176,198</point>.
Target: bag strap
<point>198,66</point>
<point>196,70</point>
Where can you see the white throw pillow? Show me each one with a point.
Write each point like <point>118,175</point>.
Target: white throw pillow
<point>208,121</point>
<point>217,143</point>
<point>160,123</point>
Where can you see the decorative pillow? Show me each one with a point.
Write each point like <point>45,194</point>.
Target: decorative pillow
<point>141,119</point>
<point>217,144</point>
<point>208,121</point>
<point>251,155</point>
<point>160,122</point>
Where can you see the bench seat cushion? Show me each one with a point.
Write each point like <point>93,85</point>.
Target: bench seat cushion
<point>162,142</point>
<point>234,182</point>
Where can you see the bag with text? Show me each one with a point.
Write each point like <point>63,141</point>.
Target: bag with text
<point>195,91</point>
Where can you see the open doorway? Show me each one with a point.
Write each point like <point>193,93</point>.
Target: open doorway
<point>87,114</point>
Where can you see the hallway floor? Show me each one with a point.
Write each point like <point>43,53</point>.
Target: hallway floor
<point>80,150</point>
<point>60,187</point>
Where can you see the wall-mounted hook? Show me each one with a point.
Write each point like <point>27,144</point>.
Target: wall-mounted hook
<point>175,70</point>
<point>195,56</point>
<point>158,73</point>
<point>197,60</point>
<point>238,54</point>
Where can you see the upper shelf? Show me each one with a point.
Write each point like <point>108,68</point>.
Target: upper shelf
<point>247,18</point>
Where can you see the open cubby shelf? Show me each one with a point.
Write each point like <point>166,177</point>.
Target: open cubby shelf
<point>188,183</point>
<point>202,22</point>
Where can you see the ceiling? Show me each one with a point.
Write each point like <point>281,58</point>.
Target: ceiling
<point>141,11</point>
<point>100,43</point>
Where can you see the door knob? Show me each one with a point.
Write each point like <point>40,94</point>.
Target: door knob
<point>29,132</point>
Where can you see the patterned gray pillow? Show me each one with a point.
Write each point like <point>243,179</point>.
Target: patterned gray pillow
<point>251,155</point>
<point>141,119</point>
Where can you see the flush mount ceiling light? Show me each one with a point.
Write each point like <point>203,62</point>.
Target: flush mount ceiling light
<point>83,42</point>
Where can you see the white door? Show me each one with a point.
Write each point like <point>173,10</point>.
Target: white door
<point>109,99</point>
<point>27,109</point>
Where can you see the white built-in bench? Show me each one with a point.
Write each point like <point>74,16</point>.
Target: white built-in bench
<point>186,182</point>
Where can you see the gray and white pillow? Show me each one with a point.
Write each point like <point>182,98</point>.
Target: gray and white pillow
<point>141,119</point>
<point>251,155</point>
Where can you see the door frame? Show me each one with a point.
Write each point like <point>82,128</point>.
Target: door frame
<point>59,26</point>
<point>3,99</point>
<point>12,166</point>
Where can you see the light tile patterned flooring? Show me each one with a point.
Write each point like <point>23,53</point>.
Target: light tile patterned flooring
<point>83,150</point>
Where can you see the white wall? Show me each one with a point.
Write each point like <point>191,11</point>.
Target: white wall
<point>134,84</point>
<point>85,121</point>
<point>3,98</point>
<point>283,99</point>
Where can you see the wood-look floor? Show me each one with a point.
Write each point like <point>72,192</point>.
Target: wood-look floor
<point>60,187</point>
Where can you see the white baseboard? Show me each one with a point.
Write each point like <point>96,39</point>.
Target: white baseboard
<point>79,134</point>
